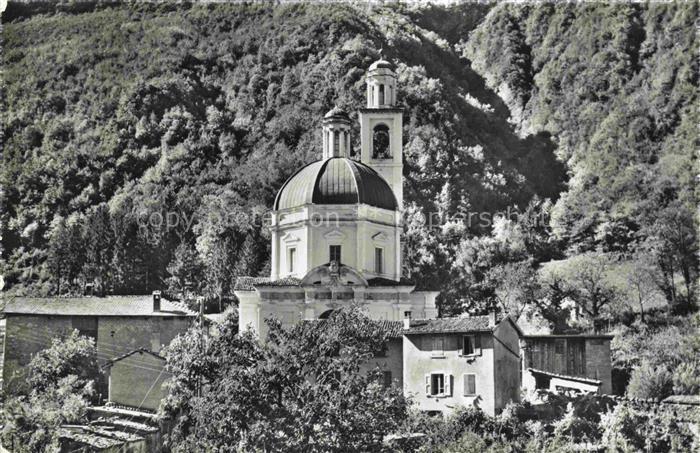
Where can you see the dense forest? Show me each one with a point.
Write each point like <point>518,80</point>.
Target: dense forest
<point>143,144</point>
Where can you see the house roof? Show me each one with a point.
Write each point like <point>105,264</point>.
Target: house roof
<point>450,325</point>
<point>394,329</point>
<point>128,354</point>
<point>583,335</point>
<point>249,283</point>
<point>565,376</point>
<point>95,306</point>
<point>336,181</point>
<point>693,400</point>
<point>380,281</point>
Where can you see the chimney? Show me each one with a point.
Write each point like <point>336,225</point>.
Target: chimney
<point>492,318</point>
<point>156,300</point>
<point>406,320</point>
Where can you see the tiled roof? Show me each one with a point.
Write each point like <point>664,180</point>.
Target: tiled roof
<point>394,329</point>
<point>449,325</point>
<point>249,283</point>
<point>96,306</point>
<point>693,400</point>
<point>581,335</point>
<point>379,281</point>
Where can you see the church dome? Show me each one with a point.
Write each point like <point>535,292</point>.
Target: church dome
<point>337,180</point>
<point>381,64</point>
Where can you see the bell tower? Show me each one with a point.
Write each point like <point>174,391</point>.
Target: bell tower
<point>381,125</point>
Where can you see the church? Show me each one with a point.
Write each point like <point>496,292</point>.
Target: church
<point>336,230</point>
<point>336,225</point>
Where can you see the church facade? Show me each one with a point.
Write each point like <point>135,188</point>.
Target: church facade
<point>336,225</point>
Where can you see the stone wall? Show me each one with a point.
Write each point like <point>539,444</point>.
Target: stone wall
<point>26,335</point>
<point>116,335</point>
<point>137,381</point>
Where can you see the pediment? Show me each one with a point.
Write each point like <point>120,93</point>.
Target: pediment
<point>324,276</point>
<point>335,234</point>
<point>290,239</point>
<point>380,237</point>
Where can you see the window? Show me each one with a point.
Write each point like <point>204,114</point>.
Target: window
<point>334,253</point>
<point>291,258</point>
<point>380,142</point>
<point>336,142</point>
<point>378,260</point>
<point>471,345</point>
<point>438,384</point>
<point>438,347</point>
<point>381,94</point>
<point>386,378</point>
<point>469,384</point>
<point>86,326</point>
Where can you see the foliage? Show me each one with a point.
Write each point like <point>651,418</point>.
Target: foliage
<point>649,381</point>
<point>627,428</point>
<point>182,121</point>
<point>301,390</point>
<point>617,87</point>
<point>61,383</point>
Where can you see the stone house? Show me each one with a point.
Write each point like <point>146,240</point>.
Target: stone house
<point>579,363</point>
<point>470,361</point>
<point>118,324</point>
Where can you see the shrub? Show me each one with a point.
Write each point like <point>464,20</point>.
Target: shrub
<point>686,379</point>
<point>627,428</point>
<point>648,381</point>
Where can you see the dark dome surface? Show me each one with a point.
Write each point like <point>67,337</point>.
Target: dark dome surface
<point>337,180</point>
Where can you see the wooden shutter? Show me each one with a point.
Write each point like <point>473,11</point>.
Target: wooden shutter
<point>448,385</point>
<point>427,384</point>
<point>477,344</point>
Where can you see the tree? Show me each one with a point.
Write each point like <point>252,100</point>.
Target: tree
<point>216,255</point>
<point>641,283</point>
<point>516,287</point>
<point>301,390</point>
<point>59,386</point>
<point>587,283</point>
<point>185,271</point>
<point>99,246</point>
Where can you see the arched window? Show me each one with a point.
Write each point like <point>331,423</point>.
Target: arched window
<point>381,94</point>
<point>326,314</point>
<point>380,142</point>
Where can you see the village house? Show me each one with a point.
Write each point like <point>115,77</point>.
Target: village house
<point>468,361</point>
<point>118,324</point>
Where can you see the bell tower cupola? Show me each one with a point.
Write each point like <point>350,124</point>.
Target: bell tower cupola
<point>336,134</point>
<point>381,125</point>
<point>381,85</point>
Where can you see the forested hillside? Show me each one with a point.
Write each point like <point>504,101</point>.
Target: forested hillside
<point>116,115</point>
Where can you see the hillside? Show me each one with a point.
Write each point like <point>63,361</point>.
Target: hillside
<point>118,114</point>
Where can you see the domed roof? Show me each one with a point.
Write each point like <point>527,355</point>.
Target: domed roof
<point>381,64</point>
<point>337,180</point>
<point>336,112</point>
